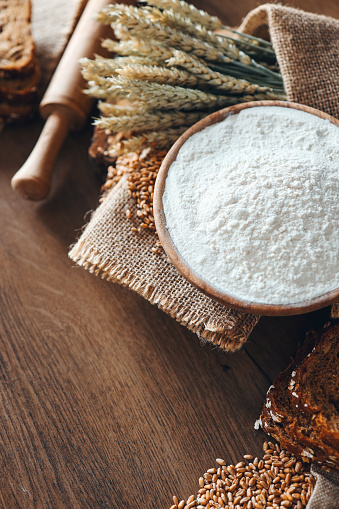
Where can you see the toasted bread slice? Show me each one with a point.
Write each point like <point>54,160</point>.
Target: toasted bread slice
<point>317,391</point>
<point>313,435</point>
<point>19,73</point>
<point>17,52</point>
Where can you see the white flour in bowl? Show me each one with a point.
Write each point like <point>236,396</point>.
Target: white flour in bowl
<point>252,205</point>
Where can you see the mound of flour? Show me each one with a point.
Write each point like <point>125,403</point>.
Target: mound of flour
<point>252,205</point>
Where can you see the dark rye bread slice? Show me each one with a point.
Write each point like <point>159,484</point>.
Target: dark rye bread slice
<point>308,450</point>
<point>19,88</point>
<point>316,390</point>
<point>276,415</point>
<point>281,420</point>
<point>17,51</point>
<point>289,424</point>
<point>19,72</point>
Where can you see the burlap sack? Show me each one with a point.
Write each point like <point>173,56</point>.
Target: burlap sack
<point>306,48</point>
<point>53,22</point>
<point>326,491</point>
<point>109,248</point>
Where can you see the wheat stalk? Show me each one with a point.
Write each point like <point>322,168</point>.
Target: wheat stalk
<point>251,49</point>
<point>217,80</point>
<point>157,139</point>
<point>161,75</point>
<point>189,11</point>
<point>149,120</point>
<point>127,23</point>
<point>116,110</point>
<point>140,48</point>
<point>168,55</point>
<point>257,41</point>
<point>108,66</point>
<point>153,95</point>
<point>178,22</point>
<point>207,21</point>
<point>177,19</point>
<point>232,48</point>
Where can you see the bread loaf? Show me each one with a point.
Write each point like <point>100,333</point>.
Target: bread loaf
<point>19,73</point>
<point>302,406</point>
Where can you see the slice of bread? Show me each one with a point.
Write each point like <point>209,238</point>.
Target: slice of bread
<point>19,73</point>
<point>311,379</point>
<point>318,396</point>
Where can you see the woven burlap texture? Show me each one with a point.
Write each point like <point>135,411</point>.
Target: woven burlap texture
<point>109,248</point>
<point>52,25</point>
<point>326,491</point>
<point>307,49</point>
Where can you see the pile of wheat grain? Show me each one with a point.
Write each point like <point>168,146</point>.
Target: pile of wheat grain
<point>278,480</point>
<point>141,169</point>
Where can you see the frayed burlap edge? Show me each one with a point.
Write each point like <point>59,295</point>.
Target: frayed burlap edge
<point>222,327</point>
<point>206,329</point>
<point>99,251</point>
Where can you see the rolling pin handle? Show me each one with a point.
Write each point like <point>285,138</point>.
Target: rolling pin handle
<point>33,179</point>
<point>64,104</point>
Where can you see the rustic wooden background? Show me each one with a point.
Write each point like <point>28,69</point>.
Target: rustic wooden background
<point>105,400</point>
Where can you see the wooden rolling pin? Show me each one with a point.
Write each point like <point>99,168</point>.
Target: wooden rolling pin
<point>64,105</point>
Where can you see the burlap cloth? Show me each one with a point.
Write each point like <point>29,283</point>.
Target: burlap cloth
<point>307,50</point>
<point>326,491</point>
<point>53,22</point>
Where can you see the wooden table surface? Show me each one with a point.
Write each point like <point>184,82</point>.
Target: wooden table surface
<point>105,400</point>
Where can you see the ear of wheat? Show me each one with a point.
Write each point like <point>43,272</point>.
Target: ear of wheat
<point>172,69</point>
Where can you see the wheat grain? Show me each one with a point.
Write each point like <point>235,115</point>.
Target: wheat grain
<point>156,96</point>
<point>139,26</point>
<point>186,10</point>
<point>240,487</point>
<point>136,47</point>
<point>149,120</point>
<point>213,78</point>
<point>159,139</point>
<point>141,169</point>
<point>108,66</point>
<point>184,24</point>
<point>161,75</point>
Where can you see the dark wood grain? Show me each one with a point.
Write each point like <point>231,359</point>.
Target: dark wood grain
<point>106,402</point>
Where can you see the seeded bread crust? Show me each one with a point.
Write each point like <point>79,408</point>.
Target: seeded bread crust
<point>309,390</point>
<point>17,50</point>
<point>310,434</point>
<point>19,72</point>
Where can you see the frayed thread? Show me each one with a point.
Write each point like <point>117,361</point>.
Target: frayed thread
<point>224,335</point>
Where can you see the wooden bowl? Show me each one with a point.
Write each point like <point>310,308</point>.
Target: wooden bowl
<point>174,255</point>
